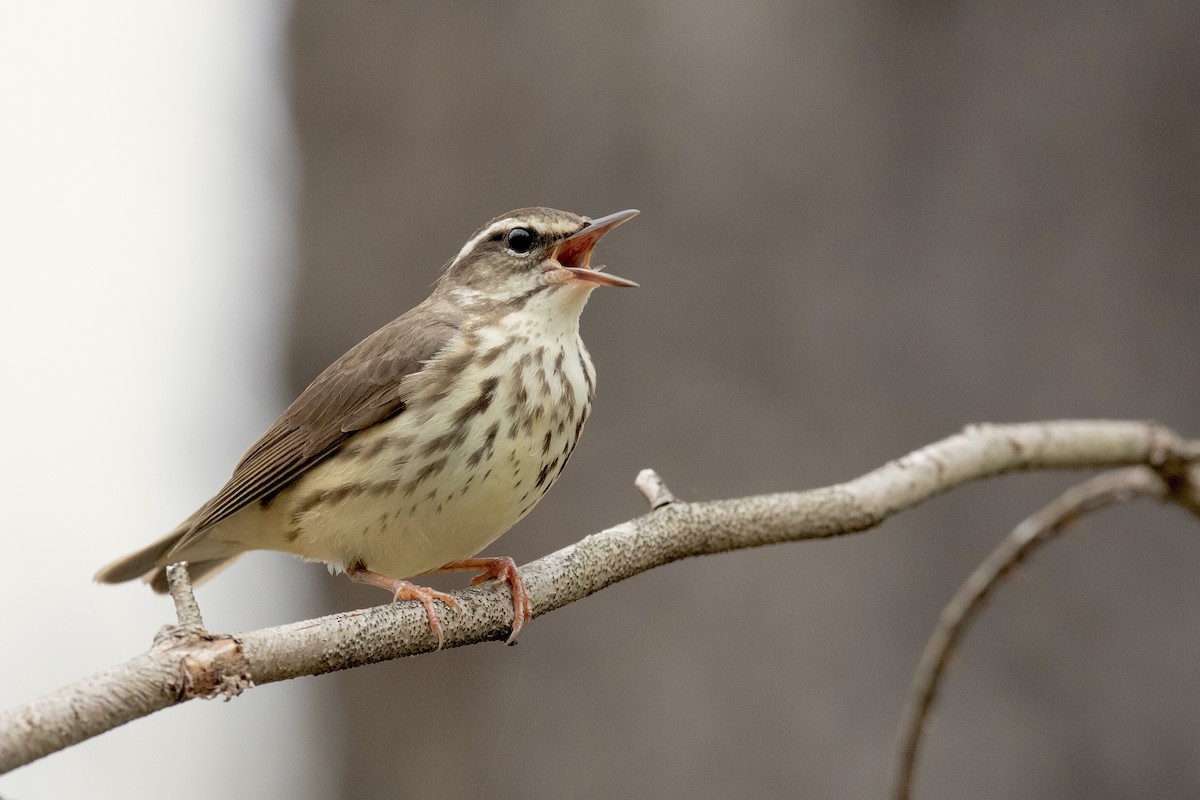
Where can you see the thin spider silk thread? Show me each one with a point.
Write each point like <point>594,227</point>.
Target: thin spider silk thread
<point>512,702</point>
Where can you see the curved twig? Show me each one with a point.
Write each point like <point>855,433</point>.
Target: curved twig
<point>1168,483</point>
<point>209,665</point>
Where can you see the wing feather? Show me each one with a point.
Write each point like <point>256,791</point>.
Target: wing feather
<point>360,389</point>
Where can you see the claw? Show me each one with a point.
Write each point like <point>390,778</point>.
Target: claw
<point>499,570</point>
<point>404,590</point>
<point>425,596</point>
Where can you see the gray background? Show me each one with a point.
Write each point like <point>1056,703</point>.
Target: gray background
<point>865,224</point>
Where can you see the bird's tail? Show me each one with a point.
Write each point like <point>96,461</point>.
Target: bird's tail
<point>150,563</point>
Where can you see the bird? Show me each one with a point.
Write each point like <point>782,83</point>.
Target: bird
<point>429,439</point>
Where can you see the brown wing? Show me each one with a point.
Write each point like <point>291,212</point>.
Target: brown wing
<point>358,390</point>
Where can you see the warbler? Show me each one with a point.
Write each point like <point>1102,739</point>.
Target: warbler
<point>431,437</point>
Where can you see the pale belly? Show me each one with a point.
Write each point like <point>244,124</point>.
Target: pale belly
<point>441,481</point>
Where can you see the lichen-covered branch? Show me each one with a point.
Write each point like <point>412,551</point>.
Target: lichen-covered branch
<point>203,665</point>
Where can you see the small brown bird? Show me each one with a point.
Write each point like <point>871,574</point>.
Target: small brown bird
<point>430,438</point>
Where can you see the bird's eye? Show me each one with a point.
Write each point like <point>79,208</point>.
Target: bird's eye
<point>520,240</point>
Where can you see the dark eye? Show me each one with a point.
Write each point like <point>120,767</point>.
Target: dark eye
<point>520,240</point>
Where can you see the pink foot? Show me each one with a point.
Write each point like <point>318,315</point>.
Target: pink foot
<point>403,590</point>
<point>499,570</point>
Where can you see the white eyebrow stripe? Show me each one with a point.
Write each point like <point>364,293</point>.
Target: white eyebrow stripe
<point>502,225</point>
<point>483,236</point>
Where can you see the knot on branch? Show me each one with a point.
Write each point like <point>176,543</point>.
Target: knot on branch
<point>206,665</point>
<point>1177,463</point>
<point>211,667</point>
<point>1182,481</point>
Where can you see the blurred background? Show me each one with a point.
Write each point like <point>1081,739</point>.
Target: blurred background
<point>865,224</point>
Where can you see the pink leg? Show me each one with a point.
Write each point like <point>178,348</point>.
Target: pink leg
<point>499,570</point>
<point>403,590</point>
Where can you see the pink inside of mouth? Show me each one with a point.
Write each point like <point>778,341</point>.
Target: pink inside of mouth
<point>575,253</point>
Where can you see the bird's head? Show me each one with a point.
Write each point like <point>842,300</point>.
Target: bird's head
<point>529,252</point>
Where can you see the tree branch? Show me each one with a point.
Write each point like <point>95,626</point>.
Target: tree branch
<point>205,665</point>
<point>1169,483</point>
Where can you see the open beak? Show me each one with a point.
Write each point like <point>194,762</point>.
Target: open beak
<point>574,253</point>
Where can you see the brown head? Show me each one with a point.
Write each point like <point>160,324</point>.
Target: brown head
<point>530,251</point>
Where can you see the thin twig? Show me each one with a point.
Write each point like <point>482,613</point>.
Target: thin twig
<point>215,665</point>
<point>1119,486</point>
<point>179,583</point>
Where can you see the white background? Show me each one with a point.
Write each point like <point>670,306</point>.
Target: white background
<point>145,171</point>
